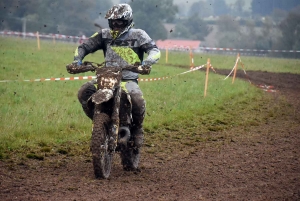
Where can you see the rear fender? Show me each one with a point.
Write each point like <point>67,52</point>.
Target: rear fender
<point>102,95</point>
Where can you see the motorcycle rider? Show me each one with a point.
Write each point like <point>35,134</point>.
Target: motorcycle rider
<point>122,45</point>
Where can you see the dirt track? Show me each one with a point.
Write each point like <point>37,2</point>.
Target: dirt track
<point>265,166</point>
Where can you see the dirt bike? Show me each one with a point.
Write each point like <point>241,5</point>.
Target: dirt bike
<point>112,119</point>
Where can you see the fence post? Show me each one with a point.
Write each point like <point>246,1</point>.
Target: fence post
<point>235,67</point>
<point>206,77</point>
<point>166,55</point>
<point>38,40</point>
<point>191,59</point>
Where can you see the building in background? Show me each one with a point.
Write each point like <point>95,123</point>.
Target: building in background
<point>178,44</point>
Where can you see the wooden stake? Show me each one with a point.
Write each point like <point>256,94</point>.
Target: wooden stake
<point>191,59</point>
<point>206,79</point>
<point>235,67</point>
<point>38,40</point>
<point>166,55</point>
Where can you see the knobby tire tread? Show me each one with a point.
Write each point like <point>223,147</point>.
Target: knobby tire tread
<point>102,159</point>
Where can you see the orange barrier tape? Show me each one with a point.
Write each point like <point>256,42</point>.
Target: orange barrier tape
<point>246,50</point>
<point>54,79</point>
<point>267,88</point>
<point>94,77</point>
<point>263,87</point>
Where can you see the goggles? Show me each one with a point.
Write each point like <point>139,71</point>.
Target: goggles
<point>119,23</point>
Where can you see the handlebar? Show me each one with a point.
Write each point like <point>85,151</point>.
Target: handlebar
<point>89,66</point>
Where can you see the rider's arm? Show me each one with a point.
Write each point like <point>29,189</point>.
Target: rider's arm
<point>93,44</point>
<point>153,56</point>
<point>149,47</point>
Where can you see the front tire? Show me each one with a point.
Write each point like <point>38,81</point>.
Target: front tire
<point>102,157</point>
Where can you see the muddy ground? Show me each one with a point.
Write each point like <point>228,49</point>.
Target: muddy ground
<point>262,164</point>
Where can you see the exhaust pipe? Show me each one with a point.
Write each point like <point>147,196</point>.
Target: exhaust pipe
<point>124,135</point>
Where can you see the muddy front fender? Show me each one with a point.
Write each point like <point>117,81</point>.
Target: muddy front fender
<point>102,95</point>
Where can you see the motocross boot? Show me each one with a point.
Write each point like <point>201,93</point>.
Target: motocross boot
<point>137,130</point>
<point>138,136</point>
<point>138,113</point>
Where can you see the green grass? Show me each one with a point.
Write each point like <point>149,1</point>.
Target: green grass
<point>227,62</point>
<point>37,116</point>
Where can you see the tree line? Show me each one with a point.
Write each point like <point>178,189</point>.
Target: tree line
<point>268,24</point>
<point>70,17</point>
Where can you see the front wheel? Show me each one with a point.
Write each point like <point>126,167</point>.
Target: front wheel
<point>102,157</point>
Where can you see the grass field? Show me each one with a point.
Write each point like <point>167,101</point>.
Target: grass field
<point>37,117</point>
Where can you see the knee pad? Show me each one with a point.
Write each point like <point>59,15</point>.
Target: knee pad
<point>85,91</point>
<point>84,94</point>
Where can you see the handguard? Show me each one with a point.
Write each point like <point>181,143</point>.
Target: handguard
<point>73,68</point>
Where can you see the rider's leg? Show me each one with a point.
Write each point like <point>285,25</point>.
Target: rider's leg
<point>84,94</point>
<point>138,112</point>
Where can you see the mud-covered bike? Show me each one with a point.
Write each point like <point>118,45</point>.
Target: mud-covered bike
<point>112,119</point>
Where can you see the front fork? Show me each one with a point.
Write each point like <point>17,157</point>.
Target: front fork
<point>114,127</point>
<point>115,121</point>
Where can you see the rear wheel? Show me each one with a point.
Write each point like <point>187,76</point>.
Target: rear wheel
<point>102,157</point>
